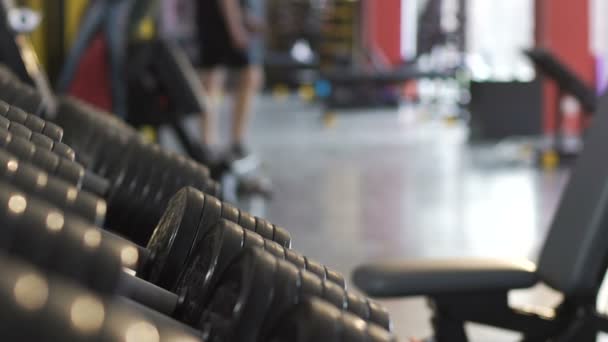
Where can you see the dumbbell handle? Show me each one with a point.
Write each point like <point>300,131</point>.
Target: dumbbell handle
<point>96,184</point>
<point>144,256</point>
<point>148,294</point>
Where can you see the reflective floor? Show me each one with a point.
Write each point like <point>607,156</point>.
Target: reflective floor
<point>401,184</point>
<point>386,184</point>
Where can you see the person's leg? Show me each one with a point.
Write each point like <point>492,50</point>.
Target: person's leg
<point>250,81</point>
<point>213,83</point>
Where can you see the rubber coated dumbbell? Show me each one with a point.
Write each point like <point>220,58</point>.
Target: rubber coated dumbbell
<point>73,173</point>
<point>315,320</point>
<point>142,176</point>
<point>175,233</point>
<point>48,241</point>
<point>220,247</point>
<point>63,195</point>
<point>39,307</point>
<point>158,263</point>
<point>31,121</point>
<point>63,168</point>
<point>38,139</point>
<point>20,94</point>
<point>258,285</point>
<point>176,230</point>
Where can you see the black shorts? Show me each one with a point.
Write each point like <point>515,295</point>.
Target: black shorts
<point>216,48</point>
<point>219,51</point>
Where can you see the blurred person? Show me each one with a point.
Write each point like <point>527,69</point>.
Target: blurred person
<point>230,34</point>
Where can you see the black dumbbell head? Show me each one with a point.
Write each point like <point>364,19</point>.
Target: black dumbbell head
<point>316,320</point>
<point>172,239</point>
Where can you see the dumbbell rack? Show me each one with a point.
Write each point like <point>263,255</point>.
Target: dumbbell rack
<point>107,238</point>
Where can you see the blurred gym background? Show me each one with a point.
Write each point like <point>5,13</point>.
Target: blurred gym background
<point>386,128</point>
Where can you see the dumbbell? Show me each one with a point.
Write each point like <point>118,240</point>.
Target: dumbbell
<point>19,93</point>
<point>57,243</point>
<point>315,320</point>
<point>119,195</point>
<point>257,286</point>
<point>163,258</point>
<point>140,190</point>
<point>142,176</point>
<point>38,139</point>
<point>41,307</point>
<point>31,121</point>
<point>220,247</point>
<point>197,212</point>
<point>48,161</point>
<point>65,196</point>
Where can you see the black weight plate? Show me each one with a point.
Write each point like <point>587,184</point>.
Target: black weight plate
<point>354,329</point>
<point>70,171</point>
<point>46,160</point>
<point>148,183</point>
<point>34,123</point>
<point>358,305</point>
<point>274,248</point>
<point>252,239</point>
<point>30,102</point>
<point>172,239</point>
<point>5,137</point>
<point>281,236</point>
<point>42,141</point>
<point>22,149</point>
<point>169,185</point>
<point>9,92</point>
<point>4,107</point>
<point>149,178</point>
<point>212,255</point>
<point>316,268</point>
<point>16,115</point>
<point>379,315</point>
<point>335,295</point>
<point>247,221</point>
<point>20,131</point>
<point>376,334</point>
<point>264,228</point>
<point>4,122</point>
<point>123,201</point>
<point>285,296</point>
<point>335,277</point>
<point>230,212</point>
<point>157,204</point>
<point>243,293</point>
<point>295,258</point>
<point>53,131</point>
<point>310,284</point>
<point>63,150</point>
<point>210,216</point>
<point>312,320</point>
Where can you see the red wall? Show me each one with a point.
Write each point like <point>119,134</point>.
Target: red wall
<point>562,26</point>
<point>384,27</point>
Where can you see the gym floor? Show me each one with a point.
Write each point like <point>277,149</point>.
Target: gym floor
<point>401,184</point>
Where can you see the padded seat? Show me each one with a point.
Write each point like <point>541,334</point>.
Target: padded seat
<point>444,277</point>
